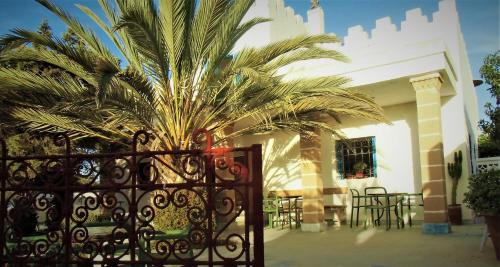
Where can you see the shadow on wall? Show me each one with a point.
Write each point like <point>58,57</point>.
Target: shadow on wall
<point>397,149</point>
<point>278,165</point>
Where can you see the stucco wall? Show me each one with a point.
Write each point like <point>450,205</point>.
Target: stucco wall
<point>281,159</point>
<point>396,150</point>
<point>398,163</point>
<point>285,24</point>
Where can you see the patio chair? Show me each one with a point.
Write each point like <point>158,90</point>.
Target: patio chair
<point>284,211</point>
<point>271,209</point>
<point>413,200</point>
<point>381,202</point>
<point>356,199</point>
<point>298,211</point>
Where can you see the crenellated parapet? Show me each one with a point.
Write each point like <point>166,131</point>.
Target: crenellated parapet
<point>416,27</point>
<point>285,23</point>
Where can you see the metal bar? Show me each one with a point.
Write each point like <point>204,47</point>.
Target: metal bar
<point>210,172</point>
<point>258,226</point>
<point>125,154</point>
<point>113,187</point>
<point>68,199</point>
<point>246,205</point>
<point>132,208</point>
<point>3,206</point>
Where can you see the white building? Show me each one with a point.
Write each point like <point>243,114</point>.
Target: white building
<point>421,77</point>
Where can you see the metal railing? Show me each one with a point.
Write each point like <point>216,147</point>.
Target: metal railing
<point>486,164</point>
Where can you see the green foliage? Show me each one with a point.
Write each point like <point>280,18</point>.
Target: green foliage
<point>96,216</point>
<point>176,216</point>
<point>23,216</point>
<point>27,144</point>
<point>359,166</point>
<point>178,74</point>
<point>488,147</point>
<point>455,172</point>
<point>490,72</point>
<point>72,39</point>
<point>45,30</point>
<point>484,193</point>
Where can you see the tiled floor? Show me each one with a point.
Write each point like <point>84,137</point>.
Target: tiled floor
<point>375,247</point>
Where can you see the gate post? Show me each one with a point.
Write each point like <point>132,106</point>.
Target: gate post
<point>258,225</point>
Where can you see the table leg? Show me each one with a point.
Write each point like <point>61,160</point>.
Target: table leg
<point>401,210</point>
<point>371,210</point>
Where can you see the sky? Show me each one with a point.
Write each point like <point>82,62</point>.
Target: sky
<point>479,21</point>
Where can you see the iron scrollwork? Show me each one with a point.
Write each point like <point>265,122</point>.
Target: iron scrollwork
<point>188,207</point>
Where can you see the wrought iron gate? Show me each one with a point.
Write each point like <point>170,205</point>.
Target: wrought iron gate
<point>201,206</point>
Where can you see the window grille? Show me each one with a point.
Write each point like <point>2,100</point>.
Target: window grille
<point>356,151</point>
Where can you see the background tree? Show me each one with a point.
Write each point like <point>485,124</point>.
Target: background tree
<point>72,39</point>
<point>487,148</point>
<point>489,145</point>
<point>45,30</point>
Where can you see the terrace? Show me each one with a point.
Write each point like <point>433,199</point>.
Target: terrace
<point>375,247</point>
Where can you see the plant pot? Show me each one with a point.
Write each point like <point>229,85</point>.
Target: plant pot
<point>360,175</point>
<point>455,214</point>
<point>493,222</point>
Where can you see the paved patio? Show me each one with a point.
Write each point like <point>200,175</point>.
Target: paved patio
<point>375,247</point>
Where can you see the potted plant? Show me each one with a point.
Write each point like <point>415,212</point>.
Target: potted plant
<point>484,198</point>
<point>359,167</point>
<point>455,172</point>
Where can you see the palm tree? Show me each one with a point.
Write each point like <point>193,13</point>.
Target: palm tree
<point>176,72</point>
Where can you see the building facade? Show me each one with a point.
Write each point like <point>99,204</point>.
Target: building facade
<point>419,74</point>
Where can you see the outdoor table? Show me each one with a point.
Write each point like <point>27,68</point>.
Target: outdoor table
<point>399,197</point>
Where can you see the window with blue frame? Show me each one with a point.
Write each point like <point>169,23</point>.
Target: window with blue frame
<point>356,158</point>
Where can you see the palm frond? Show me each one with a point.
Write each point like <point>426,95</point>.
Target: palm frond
<point>180,73</point>
<point>45,121</point>
<point>50,57</point>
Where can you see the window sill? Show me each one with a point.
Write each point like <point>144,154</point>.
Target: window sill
<point>358,178</point>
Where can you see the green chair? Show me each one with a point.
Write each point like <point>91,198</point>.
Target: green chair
<point>271,209</point>
<point>357,201</point>
<point>381,202</point>
<point>413,200</point>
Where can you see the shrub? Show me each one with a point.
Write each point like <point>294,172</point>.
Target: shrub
<point>484,193</point>
<point>176,216</point>
<point>24,216</point>
<point>96,216</point>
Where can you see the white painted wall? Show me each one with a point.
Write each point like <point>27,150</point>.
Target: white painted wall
<point>397,152</point>
<point>281,159</point>
<point>285,24</point>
